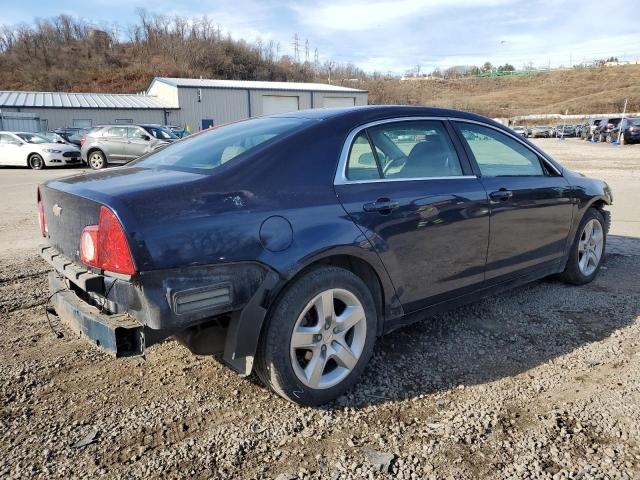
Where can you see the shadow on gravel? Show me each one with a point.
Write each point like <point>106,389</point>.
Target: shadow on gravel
<point>503,335</point>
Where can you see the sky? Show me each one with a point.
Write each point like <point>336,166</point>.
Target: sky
<point>394,36</point>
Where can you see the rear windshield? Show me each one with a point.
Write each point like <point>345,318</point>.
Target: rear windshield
<point>212,148</point>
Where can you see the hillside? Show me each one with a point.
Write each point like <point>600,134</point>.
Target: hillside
<point>64,54</point>
<point>601,90</point>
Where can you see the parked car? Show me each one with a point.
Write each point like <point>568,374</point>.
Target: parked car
<point>524,131</point>
<point>161,133</point>
<point>564,130</point>
<point>25,149</point>
<point>118,144</point>
<point>271,242</point>
<point>630,131</point>
<point>541,131</point>
<point>71,135</point>
<point>605,126</point>
<point>579,129</point>
<point>590,128</point>
<point>178,131</point>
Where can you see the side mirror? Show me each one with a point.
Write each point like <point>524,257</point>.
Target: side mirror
<point>146,137</point>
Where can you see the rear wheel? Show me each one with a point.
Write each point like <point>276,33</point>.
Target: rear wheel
<point>97,160</point>
<point>319,337</point>
<point>587,250</point>
<point>36,162</point>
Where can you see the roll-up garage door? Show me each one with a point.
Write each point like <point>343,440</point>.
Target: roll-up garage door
<point>272,104</point>
<point>337,102</point>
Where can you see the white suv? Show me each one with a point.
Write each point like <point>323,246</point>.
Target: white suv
<point>36,151</point>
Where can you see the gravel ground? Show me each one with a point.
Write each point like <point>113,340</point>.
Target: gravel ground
<point>539,382</point>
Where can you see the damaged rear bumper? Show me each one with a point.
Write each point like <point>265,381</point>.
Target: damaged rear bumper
<point>119,335</point>
<point>123,319</point>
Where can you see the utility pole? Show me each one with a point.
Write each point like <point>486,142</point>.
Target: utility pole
<point>624,111</point>
<point>330,66</point>
<point>315,59</point>
<point>296,48</point>
<point>306,51</point>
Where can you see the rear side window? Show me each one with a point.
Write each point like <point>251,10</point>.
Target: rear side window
<point>211,148</point>
<point>362,164</point>
<point>499,155</point>
<point>403,150</point>
<point>116,132</point>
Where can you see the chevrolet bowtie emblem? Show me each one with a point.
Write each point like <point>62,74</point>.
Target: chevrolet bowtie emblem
<point>57,210</point>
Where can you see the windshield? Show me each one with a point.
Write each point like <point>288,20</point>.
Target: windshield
<point>33,138</point>
<point>161,133</point>
<point>211,148</point>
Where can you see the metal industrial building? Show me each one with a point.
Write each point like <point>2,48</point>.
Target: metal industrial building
<point>191,103</point>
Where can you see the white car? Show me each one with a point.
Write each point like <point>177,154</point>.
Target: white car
<point>35,151</point>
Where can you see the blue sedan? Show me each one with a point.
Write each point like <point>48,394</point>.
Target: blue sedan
<point>289,243</point>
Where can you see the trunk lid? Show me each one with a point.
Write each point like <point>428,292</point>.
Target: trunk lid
<point>72,203</point>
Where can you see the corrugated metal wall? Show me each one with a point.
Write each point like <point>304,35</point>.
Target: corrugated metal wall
<point>224,105</point>
<point>219,105</point>
<point>64,117</point>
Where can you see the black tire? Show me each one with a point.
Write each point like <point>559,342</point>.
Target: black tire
<point>96,160</point>
<point>274,364</point>
<point>572,273</point>
<point>35,162</point>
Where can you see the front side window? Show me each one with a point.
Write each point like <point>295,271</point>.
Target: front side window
<point>33,138</point>
<point>137,133</point>
<point>403,150</point>
<point>209,149</point>
<point>499,155</point>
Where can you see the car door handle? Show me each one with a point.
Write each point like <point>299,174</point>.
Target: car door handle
<point>382,205</point>
<point>501,195</point>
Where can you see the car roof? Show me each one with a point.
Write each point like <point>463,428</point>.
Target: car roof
<point>373,112</point>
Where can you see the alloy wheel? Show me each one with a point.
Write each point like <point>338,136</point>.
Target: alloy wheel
<point>590,247</point>
<point>328,338</point>
<point>96,161</point>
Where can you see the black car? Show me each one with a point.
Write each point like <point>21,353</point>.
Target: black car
<point>605,126</point>
<point>289,243</point>
<point>630,131</point>
<point>70,135</point>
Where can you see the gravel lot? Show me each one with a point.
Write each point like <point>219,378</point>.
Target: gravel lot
<point>540,382</point>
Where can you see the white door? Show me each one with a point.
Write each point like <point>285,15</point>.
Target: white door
<point>338,102</point>
<point>272,104</point>
<point>11,151</point>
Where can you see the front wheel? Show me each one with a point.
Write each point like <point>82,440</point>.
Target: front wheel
<point>319,337</point>
<point>587,250</point>
<point>36,162</point>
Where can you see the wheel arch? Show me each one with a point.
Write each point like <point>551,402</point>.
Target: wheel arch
<point>96,149</point>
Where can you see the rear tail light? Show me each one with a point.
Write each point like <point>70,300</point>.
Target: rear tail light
<point>41,220</point>
<point>82,140</point>
<point>105,245</point>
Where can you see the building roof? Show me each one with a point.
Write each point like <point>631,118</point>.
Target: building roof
<point>79,100</point>
<point>256,85</point>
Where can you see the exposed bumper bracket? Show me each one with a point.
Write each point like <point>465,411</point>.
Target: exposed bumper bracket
<point>120,335</point>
